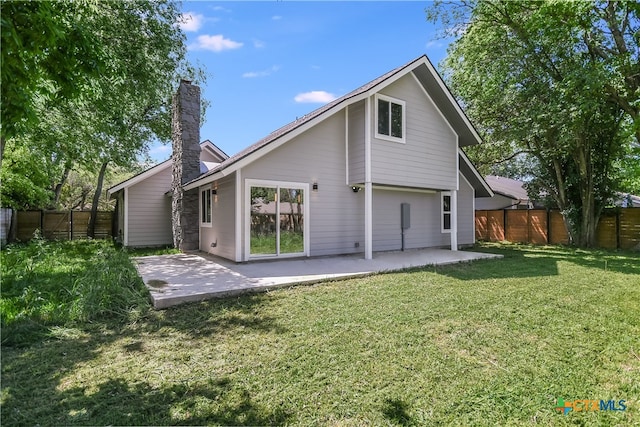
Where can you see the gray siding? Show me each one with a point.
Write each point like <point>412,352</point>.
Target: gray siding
<point>222,230</point>
<point>428,159</point>
<point>466,213</point>
<point>318,155</point>
<point>425,221</point>
<point>149,211</point>
<point>356,143</point>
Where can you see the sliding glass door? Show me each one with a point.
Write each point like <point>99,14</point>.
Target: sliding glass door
<point>277,219</point>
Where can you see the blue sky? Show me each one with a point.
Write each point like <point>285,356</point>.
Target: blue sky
<point>270,62</point>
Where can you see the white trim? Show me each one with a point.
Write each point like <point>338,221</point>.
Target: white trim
<point>214,149</point>
<point>368,190</point>
<point>454,220</point>
<point>278,141</point>
<point>475,172</point>
<point>449,96</point>
<point>473,204</point>
<point>433,103</point>
<point>442,211</point>
<point>457,160</point>
<point>380,97</point>
<point>201,190</point>
<point>346,143</point>
<point>141,177</point>
<point>125,200</point>
<point>403,189</point>
<point>248,183</point>
<point>238,216</point>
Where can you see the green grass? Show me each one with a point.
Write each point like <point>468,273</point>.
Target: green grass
<point>47,285</point>
<point>487,343</point>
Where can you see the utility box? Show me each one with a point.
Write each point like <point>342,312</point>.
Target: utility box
<point>405,215</point>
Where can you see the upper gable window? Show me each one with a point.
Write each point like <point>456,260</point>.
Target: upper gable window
<point>390,118</point>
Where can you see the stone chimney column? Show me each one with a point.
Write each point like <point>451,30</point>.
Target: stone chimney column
<point>185,124</point>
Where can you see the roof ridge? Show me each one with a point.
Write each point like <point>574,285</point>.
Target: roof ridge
<point>285,129</point>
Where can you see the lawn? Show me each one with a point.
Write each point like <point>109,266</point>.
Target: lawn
<point>488,343</point>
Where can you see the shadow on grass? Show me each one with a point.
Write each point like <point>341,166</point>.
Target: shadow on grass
<point>32,376</point>
<point>120,403</point>
<point>397,411</point>
<point>525,261</point>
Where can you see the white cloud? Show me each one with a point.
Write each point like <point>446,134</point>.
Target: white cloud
<point>263,73</point>
<point>215,43</point>
<point>433,43</point>
<point>258,44</point>
<point>276,17</point>
<point>315,97</point>
<point>190,22</point>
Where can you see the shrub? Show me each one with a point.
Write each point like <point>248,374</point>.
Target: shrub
<point>46,284</point>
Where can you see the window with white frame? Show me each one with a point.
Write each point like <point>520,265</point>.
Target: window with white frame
<point>390,118</point>
<point>205,207</point>
<point>446,211</point>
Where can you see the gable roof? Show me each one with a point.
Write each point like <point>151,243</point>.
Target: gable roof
<point>507,187</point>
<point>206,144</point>
<point>424,72</point>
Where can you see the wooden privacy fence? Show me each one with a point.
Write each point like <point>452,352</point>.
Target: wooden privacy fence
<point>617,228</point>
<point>60,225</point>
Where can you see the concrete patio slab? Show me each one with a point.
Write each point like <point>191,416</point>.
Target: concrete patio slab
<point>180,278</point>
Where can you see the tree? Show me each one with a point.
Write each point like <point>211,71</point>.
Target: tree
<point>48,53</point>
<point>557,81</point>
<point>121,110</point>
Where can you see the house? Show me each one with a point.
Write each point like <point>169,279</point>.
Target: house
<point>146,221</point>
<point>379,169</point>
<point>508,194</point>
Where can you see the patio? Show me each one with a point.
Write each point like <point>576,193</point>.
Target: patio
<point>181,278</point>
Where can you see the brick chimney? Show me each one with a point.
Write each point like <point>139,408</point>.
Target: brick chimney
<point>185,124</point>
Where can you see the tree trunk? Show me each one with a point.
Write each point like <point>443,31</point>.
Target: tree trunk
<point>91,231</point>
<point>58,188</point>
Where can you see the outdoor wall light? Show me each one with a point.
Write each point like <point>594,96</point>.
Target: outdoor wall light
<point>355,189</point>
<point>314,187</point>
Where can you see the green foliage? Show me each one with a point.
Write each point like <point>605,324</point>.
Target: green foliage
<point>54,284</point>
<point>555,82</point>
<point>25,179</point>
<point>117,108</point>
<point>49,53</point>
<point>488,343</point>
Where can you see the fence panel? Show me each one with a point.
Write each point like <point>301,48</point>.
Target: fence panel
<point>617,228</point>
<point>538,227</point>
<point>55,225</point>
<point>27,223</point>
<point>517,226</point>
<point>630,228</point>
<point>482,231</point>
<point>495,222</point>
<point>80,224</point>
<point>558,234</point>
<point>606,231</point>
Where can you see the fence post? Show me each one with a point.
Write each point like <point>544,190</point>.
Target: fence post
<point>71,224</point>
<point>504,224</point>
<point>618,228</point>
<point>548,225</point>
<point>42,223</point>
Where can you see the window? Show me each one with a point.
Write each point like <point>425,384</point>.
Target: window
<point>446,212</point>
<point>205,207</point>
<point>390,118</point>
